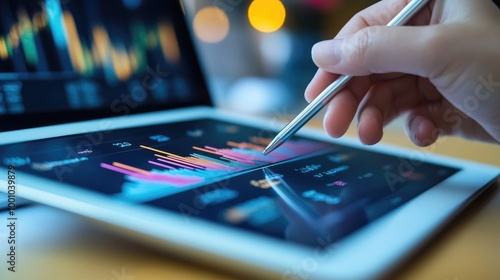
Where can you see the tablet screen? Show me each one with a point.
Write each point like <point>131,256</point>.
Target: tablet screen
<point>307,191</point>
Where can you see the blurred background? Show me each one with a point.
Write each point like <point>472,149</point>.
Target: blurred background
<point>257,54</point>
<point>85,55</point>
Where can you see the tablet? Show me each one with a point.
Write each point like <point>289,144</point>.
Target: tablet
<point>194,182</point>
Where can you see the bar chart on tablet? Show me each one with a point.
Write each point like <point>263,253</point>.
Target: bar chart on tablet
<point>169,172</point>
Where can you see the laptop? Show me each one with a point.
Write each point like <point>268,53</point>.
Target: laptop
<point>105,113</point>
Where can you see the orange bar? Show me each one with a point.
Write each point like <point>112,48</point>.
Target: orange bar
<point>74,43</point>
<point>245,145</point>
<point>179,160</point>
<point>159,151</point>
<point>101,44</point>
<point>168,154</point>
<point>3,49</point>
<point>131,168</point>
<point>204,161</point>
<point>193,160</point>
<point>206,151</point>
<point>168,42</point>
<point>261,140</point>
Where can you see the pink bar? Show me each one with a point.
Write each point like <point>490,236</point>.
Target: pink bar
<point>174,163</point>
<point>161,165</point>
<point>178,181</point>
<point>238,156</point>
<point>185,161</point>
<point>118,169</point>
<point>212,149</point>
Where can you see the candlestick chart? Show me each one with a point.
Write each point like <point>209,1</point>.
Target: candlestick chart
<point>83,38</point>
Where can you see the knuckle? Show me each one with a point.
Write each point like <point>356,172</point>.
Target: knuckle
<point>436,40</point>
<point>357,51</point>
<point>439,45</point>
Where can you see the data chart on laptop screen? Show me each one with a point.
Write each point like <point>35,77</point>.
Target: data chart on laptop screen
<point>110,58</point>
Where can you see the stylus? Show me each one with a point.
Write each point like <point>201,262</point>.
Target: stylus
<point>329,92</point>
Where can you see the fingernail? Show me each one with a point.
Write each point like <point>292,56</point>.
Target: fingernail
<point>326,54</point>
<point>417,127</point>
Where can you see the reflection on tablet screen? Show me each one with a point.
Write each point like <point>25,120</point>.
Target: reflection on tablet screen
<point>308,192</point>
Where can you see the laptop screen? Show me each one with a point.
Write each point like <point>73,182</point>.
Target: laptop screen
<point>71,60</point>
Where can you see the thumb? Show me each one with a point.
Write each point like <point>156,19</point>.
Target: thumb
<point>413,50</point>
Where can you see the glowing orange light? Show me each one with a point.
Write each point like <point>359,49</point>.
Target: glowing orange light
<point>211,24</point>
<point>267,15</point>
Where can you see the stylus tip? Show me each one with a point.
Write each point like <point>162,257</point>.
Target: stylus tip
<point>272,145</point>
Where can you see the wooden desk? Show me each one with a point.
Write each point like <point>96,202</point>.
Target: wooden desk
<point>56,245</point>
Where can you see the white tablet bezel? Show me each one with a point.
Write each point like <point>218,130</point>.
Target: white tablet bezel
<point>368,253</point>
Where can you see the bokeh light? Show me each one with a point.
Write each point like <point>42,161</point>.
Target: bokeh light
<point>267,15</point>
<point>276,50</point>
<point>257,95</point>
<point>211,24</point>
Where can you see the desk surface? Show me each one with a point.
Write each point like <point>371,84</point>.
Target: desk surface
<point>56,245</point>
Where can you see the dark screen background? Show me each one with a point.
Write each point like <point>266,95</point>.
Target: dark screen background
<point>62,61</point>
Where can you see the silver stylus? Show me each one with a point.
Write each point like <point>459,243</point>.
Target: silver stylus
<point>328,93</point>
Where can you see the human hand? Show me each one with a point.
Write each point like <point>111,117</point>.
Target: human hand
<point>443,69</point>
